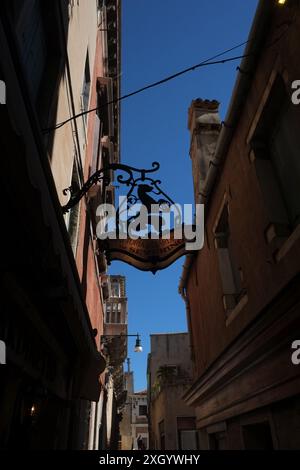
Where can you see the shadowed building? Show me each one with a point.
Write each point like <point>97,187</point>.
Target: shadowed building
<point>58,59</point>
<point>242,289</point>
<point>171,421</point>
<point>114,348</point>
<point>134,424</point>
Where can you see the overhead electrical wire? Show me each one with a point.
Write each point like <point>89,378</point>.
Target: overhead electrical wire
<point>210,61</point>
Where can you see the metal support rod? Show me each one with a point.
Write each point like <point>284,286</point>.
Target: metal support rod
<point>121,334</point>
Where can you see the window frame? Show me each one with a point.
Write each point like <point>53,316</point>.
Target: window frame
<point>144,414</point>
<point>279,235</point>
<point>234,297</point>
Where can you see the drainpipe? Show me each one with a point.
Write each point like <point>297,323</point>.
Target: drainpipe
<point>185,298</point>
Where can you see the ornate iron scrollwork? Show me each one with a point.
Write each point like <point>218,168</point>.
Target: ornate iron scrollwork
<point>147,187</point>
<point>147,254</point>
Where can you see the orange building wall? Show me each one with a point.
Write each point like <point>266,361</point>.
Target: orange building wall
<point>85,254</point>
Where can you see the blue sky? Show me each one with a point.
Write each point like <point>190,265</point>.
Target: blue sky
<point>159,38</point>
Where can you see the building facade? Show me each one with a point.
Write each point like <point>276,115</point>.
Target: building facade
<point>114,348</point>
<point>242,289</point>
<point>139,420</point>
<point>171,421</point>
<point>134,425</point>
<point>58,60</point>
<point>125,425</point>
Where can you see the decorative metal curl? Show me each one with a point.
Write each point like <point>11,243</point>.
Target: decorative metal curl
<point>144,184</point>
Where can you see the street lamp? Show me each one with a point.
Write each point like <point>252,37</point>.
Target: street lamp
<point>138,346</point>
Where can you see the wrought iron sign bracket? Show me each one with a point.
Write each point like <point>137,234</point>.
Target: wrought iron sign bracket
<point>127,178</point>
<point>146,253</point>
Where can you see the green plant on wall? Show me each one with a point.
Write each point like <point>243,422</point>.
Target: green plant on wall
<point>166,374</point>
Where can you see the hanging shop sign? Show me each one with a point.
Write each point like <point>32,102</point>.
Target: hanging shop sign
<point>146,228</point>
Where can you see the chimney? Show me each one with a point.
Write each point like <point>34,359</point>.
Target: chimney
<point>204,125</point>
